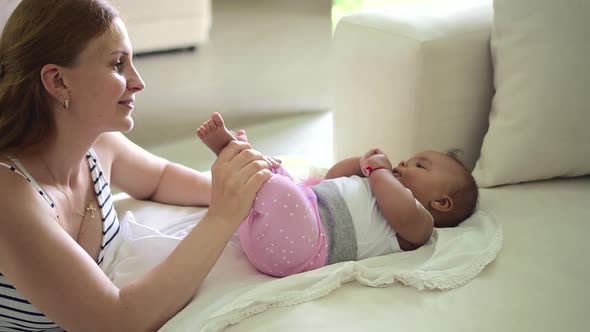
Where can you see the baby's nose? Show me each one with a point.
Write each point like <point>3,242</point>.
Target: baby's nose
<point>403,164</point>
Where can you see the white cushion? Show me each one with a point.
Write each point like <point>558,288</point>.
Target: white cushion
<point>412,80</point>
<point>539,123</point>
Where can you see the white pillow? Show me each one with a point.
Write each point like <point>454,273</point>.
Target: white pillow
<point>540,118</point>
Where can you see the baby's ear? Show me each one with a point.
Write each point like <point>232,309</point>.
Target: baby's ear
<point>442,204</point>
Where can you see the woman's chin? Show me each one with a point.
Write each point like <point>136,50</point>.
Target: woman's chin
<point>128,125</point>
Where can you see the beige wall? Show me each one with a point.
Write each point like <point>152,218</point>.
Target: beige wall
<point>263,57</point>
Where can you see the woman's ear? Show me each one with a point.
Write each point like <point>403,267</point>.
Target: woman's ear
<point>54,83</point>
<point>442,204</point>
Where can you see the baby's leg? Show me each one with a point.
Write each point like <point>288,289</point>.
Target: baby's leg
<point>216,136</point>
<point>283,234</point>
<point>214,133</point>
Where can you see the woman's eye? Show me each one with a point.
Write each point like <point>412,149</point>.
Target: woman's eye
<point>118,65</point>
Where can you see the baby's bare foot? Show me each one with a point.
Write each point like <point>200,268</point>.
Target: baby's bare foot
<point>214,134</point>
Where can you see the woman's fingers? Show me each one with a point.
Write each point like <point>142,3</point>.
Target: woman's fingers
<point>236,148</point>
<point>251,177</point>
<point>237,174</point>
<point>233,197</point>
<point>251,169</point>
<point>273,162</point>
<point>232,149</point>
<point>255,181</point>
<point>246,156</point>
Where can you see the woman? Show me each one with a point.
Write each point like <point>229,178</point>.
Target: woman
<point>67,86</point>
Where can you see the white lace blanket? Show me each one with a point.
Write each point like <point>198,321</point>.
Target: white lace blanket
<point>234,290</point>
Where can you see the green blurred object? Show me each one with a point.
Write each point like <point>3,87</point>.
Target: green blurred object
<point>345,7</point>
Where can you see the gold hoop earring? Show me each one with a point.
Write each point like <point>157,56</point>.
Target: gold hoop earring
<point>66,104</point>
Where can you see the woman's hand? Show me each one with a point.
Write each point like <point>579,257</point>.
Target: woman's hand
<point>374,158</point>
<point>272,161</point>
<point>237,174</point>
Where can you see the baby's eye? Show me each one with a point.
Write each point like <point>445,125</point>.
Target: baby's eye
<point>420,165</point>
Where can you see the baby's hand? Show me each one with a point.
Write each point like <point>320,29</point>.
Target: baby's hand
<point>374,158</point>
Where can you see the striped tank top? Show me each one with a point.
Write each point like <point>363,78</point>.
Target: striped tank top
<point>16,313</point>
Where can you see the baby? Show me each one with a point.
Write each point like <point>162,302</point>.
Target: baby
<point>363,208</point>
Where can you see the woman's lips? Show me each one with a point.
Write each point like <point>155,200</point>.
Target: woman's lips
<point>128,104</point>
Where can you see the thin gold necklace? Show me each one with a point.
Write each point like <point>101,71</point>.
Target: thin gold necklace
<point>89,207</point>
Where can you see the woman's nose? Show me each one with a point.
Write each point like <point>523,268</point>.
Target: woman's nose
<point>135,83</point>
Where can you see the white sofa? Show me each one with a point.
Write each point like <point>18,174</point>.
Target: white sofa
<point>413,79</point>
<point>395,69</point>
<point>416,80</point>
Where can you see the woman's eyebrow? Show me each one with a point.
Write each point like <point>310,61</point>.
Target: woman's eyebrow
<point>119,52</point>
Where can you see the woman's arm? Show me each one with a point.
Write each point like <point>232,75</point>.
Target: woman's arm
<point>145,176</point>
<point>57,276</point>
<point>346,167</point>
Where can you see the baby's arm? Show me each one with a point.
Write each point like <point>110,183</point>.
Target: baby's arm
<point>346,167</point>
<point>411,223</point>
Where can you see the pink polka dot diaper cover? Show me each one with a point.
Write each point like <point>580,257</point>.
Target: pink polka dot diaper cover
<point>292,228</point>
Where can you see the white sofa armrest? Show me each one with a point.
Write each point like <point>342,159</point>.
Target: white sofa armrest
<point>412,80</point>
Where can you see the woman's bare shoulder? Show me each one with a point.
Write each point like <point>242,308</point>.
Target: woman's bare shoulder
<point>17,194</point>
<point>20,204</point>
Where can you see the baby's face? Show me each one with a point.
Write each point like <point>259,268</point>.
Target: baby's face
<point>429,175</point>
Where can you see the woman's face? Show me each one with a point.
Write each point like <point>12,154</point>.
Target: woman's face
<point>103,82</point>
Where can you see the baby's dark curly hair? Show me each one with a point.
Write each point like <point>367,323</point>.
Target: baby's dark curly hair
<point>465,197</point>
